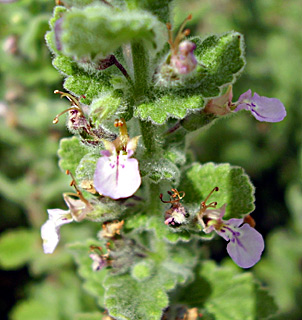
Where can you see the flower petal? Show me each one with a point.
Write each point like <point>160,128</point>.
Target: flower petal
<point>246,248</point>
<point>245,96</point>
<point>50,236</point>
<point>117,177</point>
<point>267,109</point>
<point>59,217</point>
<point>262,108</point>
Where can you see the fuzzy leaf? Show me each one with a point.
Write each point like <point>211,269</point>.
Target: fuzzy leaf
<point>17,247</point>
<point>86,168</point>
<point>128,299</point>
<point>100,30</point>
<point>158,170</point>
<point>167,106</point>
<point>93,279</point>
<point>158,8</point>
<point>164,232</point>
<point>104,107</point>
<point>235,187</point>
<point>85,85</point>
<point>144,298</point>
<point>71,152</point>
<point>231,295</point>
<point>65,65</point>
<point>223,57</point>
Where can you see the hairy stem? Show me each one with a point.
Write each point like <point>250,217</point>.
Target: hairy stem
<point>141,71</point>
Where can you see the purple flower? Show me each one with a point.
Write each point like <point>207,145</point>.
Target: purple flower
<point>245,243</point>
<point>262,108</point>
<point>50,231</point>
<point>184,61</point>
<point>117,174</point>
<point>99,261</point>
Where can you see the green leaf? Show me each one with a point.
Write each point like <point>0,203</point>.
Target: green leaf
<point>100,30</point>
<point>86,168</point>
<point>104,107</point>
<point>284,257</point>
<point>158,170</point>
<point>86,85</point>
<point>17,247</point>
<point>144,296</point>
<point>265,305</point>
<point>58,297</point>
<point>167,106</point>
<point>223,57</point>
<point>166,233</point>
<point>50,36</point>
<point>128,299</point>
<point>89,316</point>
<point>65,65</point>
<point>33,310</point>
<point>231,294</point>
<point>71,152</point>
<point>93,279</point>
<point>159,8</point>
<point>235,187</point>
<point>77,3</point>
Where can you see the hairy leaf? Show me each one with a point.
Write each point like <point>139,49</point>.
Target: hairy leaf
<point>71,152</point>
<point>235,187</point>
<point>167,106</point>
<point>100,30</point>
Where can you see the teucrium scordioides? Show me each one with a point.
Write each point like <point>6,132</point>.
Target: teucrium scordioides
<point>119,60</point>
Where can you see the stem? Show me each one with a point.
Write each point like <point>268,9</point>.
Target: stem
<point>150,139</point>
<point>154,203</point>
<point>141,71</point>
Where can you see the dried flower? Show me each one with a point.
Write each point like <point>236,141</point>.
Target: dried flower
<point>117,174</point>
<point>245,243</point>
<point>262,108</point>
<point>177,214</point>
<point>99,261</point>
<point>111,229</point>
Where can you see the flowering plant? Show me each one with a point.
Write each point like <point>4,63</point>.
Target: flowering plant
<point>128,79</point>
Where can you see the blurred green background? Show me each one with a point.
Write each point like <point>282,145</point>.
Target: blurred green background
<point>31,182</point>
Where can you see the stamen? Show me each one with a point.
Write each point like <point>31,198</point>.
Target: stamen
<point>71,98</point>
<point>121,124</point>
<point>173,196</point>
<point>56,118</point>
<point>207,198</point>
<point>79,193</point>
<point>204,206</point>
<point>180,35</point>
<point>75,105</point>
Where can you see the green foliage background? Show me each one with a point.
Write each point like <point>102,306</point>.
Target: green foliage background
<point>30,181</point>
